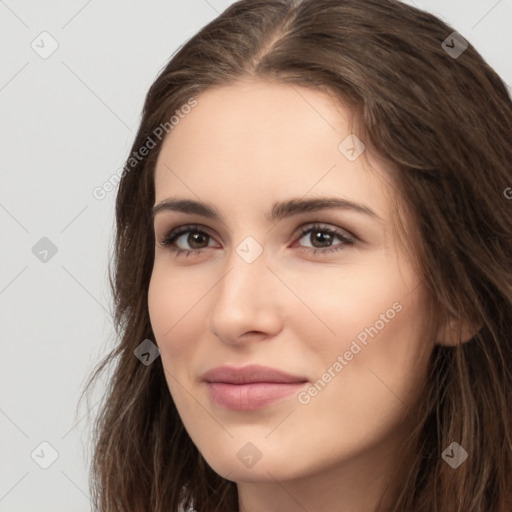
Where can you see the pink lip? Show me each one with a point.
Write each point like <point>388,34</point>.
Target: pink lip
<point>250,387</point>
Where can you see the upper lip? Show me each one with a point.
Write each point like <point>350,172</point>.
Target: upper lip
<point>249,374</point>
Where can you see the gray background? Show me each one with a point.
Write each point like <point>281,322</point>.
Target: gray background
<point>67,124</point>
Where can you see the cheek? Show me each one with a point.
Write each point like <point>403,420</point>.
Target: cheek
<point>369,343</point>
<point>366,398</point>
<point>176,310</point>
<point>379,358</point>
<point>400,354</point>
<point>173,298</point>
<point>339,306</point>
<point>167,305</point>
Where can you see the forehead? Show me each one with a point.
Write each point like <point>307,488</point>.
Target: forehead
<point>255,141</point>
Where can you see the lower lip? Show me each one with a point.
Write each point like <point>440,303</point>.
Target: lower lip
<point>251,396</point>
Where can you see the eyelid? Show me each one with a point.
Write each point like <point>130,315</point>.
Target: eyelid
<point>323,226</point>
<point>176,232</point>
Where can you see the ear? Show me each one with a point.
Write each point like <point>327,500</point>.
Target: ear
<point>454,331</point>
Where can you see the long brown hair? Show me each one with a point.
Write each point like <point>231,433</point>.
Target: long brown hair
<point>445,121</point>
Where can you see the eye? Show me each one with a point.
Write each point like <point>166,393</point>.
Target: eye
<point>192,239</point>
<point>322,237</point>
<point>193,235</point>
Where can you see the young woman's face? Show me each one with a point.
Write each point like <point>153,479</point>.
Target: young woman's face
<point>322,293</point>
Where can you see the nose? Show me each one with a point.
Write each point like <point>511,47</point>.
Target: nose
<point>247,302</point>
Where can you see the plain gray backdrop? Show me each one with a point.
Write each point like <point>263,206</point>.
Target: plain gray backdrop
<point>72,83</point>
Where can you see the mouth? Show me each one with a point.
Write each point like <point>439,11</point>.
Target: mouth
<point>250,387</point>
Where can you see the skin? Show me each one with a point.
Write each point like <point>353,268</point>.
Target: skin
<point>243,148</point>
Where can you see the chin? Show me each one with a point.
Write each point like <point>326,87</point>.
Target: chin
<point>269,468</point>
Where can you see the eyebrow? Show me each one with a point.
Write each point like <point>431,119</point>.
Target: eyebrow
<point>280,210</point>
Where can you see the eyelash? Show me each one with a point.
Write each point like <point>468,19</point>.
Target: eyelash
<point>196,228</point>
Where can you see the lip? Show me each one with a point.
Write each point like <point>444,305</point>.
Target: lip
<point>250,374</point>
<point>250,387</point>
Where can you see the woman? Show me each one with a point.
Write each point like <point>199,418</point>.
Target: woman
<point>314,229</point>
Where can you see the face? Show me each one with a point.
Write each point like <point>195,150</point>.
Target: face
<point>320,291</point>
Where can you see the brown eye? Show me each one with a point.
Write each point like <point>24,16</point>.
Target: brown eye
<point>195,240</point>
<point>187,239</point>
<point>321,239</point>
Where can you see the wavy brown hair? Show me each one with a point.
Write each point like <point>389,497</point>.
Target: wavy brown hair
<point>446,123</point>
